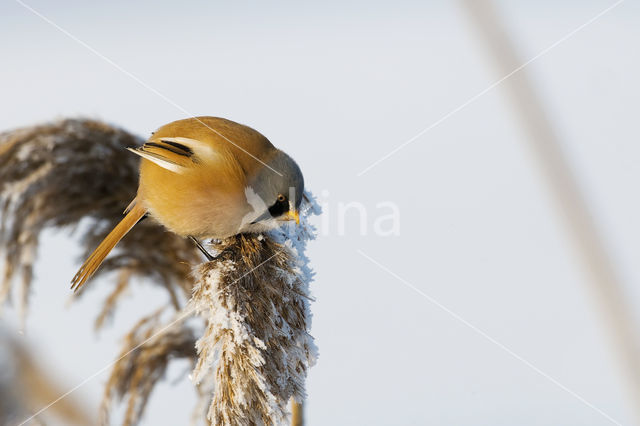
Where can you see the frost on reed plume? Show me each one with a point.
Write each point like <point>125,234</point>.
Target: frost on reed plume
<point>255,299</point>
<point>254,350</point>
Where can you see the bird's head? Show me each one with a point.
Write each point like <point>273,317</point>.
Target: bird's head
<point>279,188</point>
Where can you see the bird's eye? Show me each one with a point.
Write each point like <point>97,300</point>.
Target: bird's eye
<point>279,207</point>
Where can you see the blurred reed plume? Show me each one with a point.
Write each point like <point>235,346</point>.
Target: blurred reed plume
<point>143,361</point>
<point>55,175</point>
<point>251,304</point>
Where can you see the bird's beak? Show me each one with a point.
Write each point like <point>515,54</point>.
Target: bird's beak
<point>293,215</point>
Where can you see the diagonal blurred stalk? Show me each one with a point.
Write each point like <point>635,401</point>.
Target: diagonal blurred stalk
<point>297,414</point>
<point>580,225</point>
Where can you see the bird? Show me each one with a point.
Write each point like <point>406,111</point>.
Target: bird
<point>207,178</point>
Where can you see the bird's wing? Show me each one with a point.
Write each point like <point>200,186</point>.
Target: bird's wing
<point>175,154</point>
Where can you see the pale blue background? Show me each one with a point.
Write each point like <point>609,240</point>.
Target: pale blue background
<point>338,85</point>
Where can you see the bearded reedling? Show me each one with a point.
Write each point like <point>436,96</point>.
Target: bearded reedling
<point>207,177</point>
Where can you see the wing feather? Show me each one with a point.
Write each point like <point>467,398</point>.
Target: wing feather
<point>176,154</point>
<point>163,160</point>
<point>195,148</point>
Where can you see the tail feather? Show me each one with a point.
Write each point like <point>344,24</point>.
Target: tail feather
<point>93,262</point>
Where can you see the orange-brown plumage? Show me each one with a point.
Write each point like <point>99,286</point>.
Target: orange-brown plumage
<point>201,177</point>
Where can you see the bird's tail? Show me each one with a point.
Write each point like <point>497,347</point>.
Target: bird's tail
<point>134,214</point>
